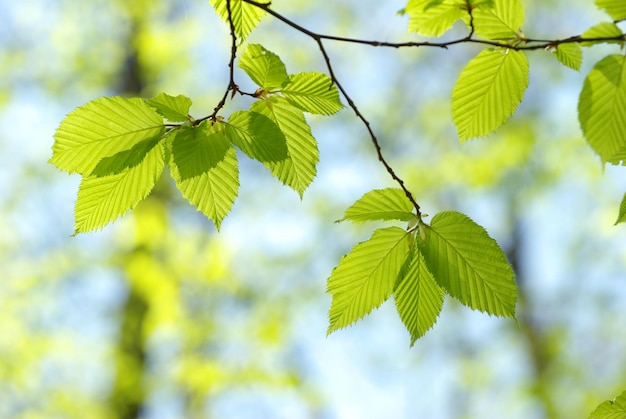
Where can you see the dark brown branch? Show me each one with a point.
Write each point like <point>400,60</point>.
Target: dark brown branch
<point>521,44</point>
<point>319,40</point>
<point>524,45</point>
<point>232,88</point>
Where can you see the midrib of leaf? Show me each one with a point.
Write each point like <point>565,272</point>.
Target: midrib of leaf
<point>454,254</point>
<point>100,129</point>
<point>351,282</point>
<point>314,93</point>
<point>299,169</point>
<point>472,115</point>
<point>603,110</point>
<point>103,199</point>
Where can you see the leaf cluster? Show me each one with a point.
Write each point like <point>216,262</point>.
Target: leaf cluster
<point>120,146</point>
<point>418,266</point>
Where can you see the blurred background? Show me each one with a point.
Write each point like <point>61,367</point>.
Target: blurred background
<point>159,316</point>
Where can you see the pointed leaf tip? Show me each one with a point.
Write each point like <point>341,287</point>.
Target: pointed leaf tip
<point>103,128</point>
<point>469,264</point>
<point>366,276</point>
<point>419,299</point>
<point>488,91</point>
<point>204,166</point>
<point>380,204</point>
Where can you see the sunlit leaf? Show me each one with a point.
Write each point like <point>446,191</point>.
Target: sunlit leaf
<point>172,108</point>
<point>570,55</point>
<point>602,108</point>
<point>622,211</point>
<point>102,199</point>
<point>418,297</point>
<point>469,264</point>
<point>245,16</point>
<point>434,18</point>
<point>264,67</point>
<point>257,136</point>
<point>126,159</point>
<point>380,204</point>
<point>102,128</point>
<point>313,92</point>
<point>615,8</point>
<point>611,409</point>
<point>602,30</point>
<point>204,166</point>
<point>488,91</point>
<point>366,276</point>
<point>299,168</point>
<point>500,20</point>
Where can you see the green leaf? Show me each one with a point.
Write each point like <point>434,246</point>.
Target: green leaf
<point>434,18</point>
<point>615,8</point>
<point>299,168</point>
<point>611,409</point>
<point>488,91</point>
<point>469,264</point>
<point>126,159</point>
<point>102,128</point>
<point>380,204</point>
<point>245,16</point>
<point>257,136</point>
<point>197,150</point>
<point>172,108</point>
<point>622,211</point>
<point>602,30</point>
<point>365,277</point>
<point>102,199</point>
<point>313,92</point>
<point>602,108</point>
<point>419,299</point>
<point>264,67</point>
<point>570,55</point>
<point>204,166</point>
<point>501,20</point>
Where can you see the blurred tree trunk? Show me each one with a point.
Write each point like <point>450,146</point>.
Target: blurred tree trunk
<point>537,342</point>
<point>128,394</point>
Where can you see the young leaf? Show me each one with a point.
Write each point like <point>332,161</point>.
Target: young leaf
<point>615,8</point>
<point>101,199</point>
<point>366,276</point>
<point>611,409</point>
<point>434,18</point>
<point>602,30</point>
<point>381,204</point>
<point>418,297</point>
<point>313,92</point>
<point>488,91</point>
<point>469,264</point>
<point>500,20</point>
<point>264,67</point>
<point>102,128</point>
<point>204,166</point>
<point>257,136</point>
<point>172,108</point>
<point>602,108</point>
<point>126,159</point>
<point>298,170</point>
<point>622,211</point>
<point>570,55</point>
<point>245,16</point>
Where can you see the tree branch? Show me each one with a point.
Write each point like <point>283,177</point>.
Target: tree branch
<point>232,86</point>
<point>520,44</point>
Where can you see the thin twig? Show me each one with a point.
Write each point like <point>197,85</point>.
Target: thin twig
<point>520,44</point>
<point>232,86</point>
